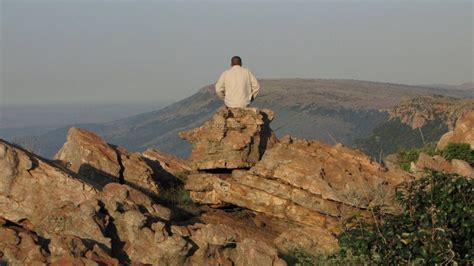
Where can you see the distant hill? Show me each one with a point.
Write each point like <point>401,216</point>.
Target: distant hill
<point>329,110</point>
<point>469,86</point>
<point>414,123</point>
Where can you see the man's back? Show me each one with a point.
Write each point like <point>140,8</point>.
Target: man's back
<point>237,86</point>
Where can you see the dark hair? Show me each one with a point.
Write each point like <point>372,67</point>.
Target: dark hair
<point>236,60</point>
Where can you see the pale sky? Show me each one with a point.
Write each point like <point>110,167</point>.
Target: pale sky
<point>74,51</point>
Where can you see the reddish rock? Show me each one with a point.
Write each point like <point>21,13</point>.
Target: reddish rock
<point>233,138</point>
<point>304,181</point>
<point>462,133</point>
<point>88,155</point>
<point>31,187</point>
<point>426,163</point>
<point>19,246</point>
<point>170,163</point>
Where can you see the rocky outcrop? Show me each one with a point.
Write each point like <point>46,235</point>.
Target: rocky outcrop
<point>88,155</point>
<point>419,111</point>
<point>427,163</point>
<point>31,187</point>
<point>50,215</point>
<point>234,138</point>
<point>305,182</point>
<point>462,133</point>
<point>170,163</point>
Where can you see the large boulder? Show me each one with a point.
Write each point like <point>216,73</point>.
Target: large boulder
<point>88,155</point>
<point>307,182</point>
<point>462,133</point>
<point>426,163</point>
<point>31,187</point>
<point>302,180</point>
<point>233,138</point>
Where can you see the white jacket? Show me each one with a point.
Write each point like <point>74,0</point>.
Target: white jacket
<point>237,86</point>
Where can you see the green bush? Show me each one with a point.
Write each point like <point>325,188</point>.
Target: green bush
<point>460,151</point>
<point>435,227</point>
<point>406,157</point>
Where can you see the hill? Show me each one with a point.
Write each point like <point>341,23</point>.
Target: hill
<point>329,110</point>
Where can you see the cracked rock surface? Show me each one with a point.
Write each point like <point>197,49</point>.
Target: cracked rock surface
<point>52,215</point>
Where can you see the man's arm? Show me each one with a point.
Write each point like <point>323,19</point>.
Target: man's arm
<point>220,87</point>
<point>254,84</point>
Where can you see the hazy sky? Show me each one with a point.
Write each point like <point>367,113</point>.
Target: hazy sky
<point>149,51</point>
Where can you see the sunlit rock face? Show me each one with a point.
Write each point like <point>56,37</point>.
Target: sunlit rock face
<point>233,138</point>
<point>462,133</point>
<point>301,181</point>
<point>88,155</point>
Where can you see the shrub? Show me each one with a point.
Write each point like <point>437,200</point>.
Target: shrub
<point>460,151</point>
<point>435,227</point>
<point>406,157</point>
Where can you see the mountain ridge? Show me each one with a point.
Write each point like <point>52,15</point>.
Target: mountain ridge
<point>327,109</point>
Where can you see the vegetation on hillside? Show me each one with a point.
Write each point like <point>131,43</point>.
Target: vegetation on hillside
<point>394,136</point>
<point>436,226</point>
<point>460,151</point>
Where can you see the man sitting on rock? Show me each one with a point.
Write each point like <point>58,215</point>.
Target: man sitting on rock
<point>237,86</point>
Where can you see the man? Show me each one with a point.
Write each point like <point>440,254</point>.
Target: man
<point>237,86</point>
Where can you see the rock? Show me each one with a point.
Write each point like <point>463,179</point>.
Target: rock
<point>233,138</point>
<point>311,239</point>
<point>419,111</point>
<point>59,217</point>
<point>461,167</point>
<point>426,163</point>
<point>19,246</point>
<point>222,245</point>
<point>32,187</point>
<point>88,155</point>
<point>251,252</point>
<point>462,133</point>
<point>304,181</point>
<point>138,228</point>
<point>170,163</point>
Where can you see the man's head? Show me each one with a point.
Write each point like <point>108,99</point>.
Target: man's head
<point>236,61</point>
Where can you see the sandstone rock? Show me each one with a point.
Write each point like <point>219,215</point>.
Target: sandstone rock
<point>311,239</point>
<point>426,163</point>
<point>88,155</point>
<point>60,218</point>
<point>71,250</point>
<point>223,245</point>
<point>233,138</point>
<point>136,220</point>
<point>218,189</point>
<point>461,167</point>
<point>462,133</point>
<point>19,246</point>
<point>300,180</point>
<point>31,187</point>
<point>307,182</point>
<point>170,163</point>
<point>251,252</point>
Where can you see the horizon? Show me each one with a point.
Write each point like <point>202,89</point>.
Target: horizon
<point>163,104</point>
<point>145,52</point>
